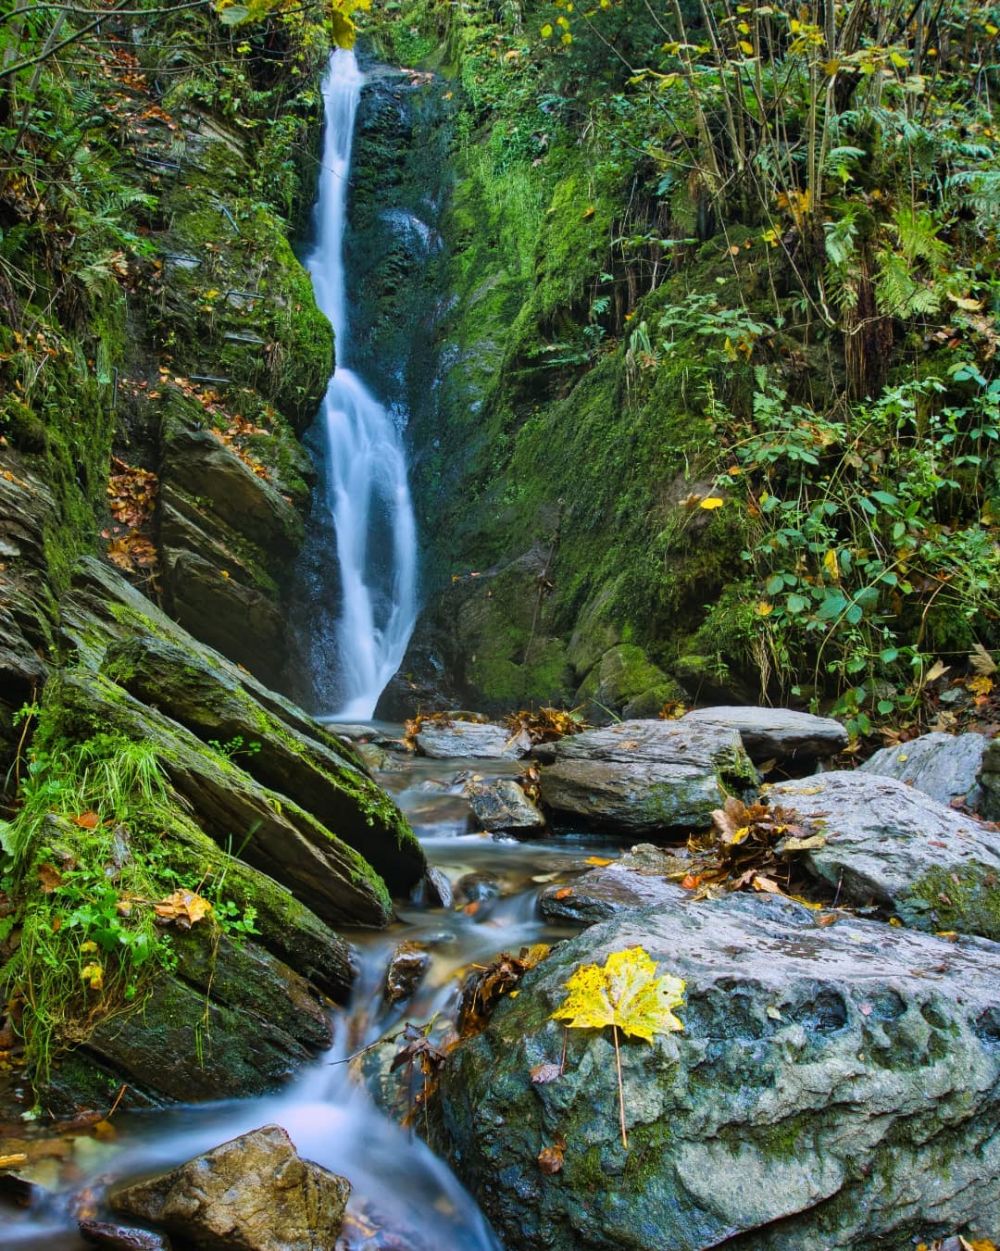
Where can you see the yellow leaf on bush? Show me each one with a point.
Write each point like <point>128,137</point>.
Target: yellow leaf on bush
<point>710,502</point>
<point>830,563</point>
<point>93,975</point>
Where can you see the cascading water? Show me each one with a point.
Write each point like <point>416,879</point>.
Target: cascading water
<point>367,489</point>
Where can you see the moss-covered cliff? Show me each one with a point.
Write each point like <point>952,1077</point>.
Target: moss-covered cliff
<point>179,840</point>
<point>686,425</point>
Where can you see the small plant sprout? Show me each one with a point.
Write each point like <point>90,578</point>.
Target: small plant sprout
<point>626,994</point>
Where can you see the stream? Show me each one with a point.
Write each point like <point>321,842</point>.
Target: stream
<point>403,1196</point>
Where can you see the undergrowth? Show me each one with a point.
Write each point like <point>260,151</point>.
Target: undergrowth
<point>87,855</point>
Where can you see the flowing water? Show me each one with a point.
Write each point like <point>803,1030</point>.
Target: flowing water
<point>365,462</point>
<point>403,1196</point>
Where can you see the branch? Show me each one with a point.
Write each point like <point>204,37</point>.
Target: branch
<point>85,30</point>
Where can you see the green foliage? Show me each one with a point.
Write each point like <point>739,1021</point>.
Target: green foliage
<point>88,855</point>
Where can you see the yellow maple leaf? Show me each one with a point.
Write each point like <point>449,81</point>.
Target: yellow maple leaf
<point>625,993</point>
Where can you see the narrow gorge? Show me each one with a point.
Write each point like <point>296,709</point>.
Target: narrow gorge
<point>499,627</point>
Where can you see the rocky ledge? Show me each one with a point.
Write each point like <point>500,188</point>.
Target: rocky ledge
<point>829,1089</point>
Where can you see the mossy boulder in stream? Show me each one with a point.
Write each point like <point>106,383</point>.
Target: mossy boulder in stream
<point>833,1087</point>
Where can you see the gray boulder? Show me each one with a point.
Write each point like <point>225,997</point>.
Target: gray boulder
<point>501,806</point>
<point>775,733</point>
<point>478,740</point>
<point>989,780</point>
<point>251,1194</point>
<point>643,777</point>
<point>890,844</point>
<point>944,766</point>
<point>834,1087</point>
<point>607,892</point>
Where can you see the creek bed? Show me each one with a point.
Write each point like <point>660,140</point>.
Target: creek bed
<point>403,1196</point>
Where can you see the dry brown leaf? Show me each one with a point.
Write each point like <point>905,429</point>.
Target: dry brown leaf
<point>183,907</point>
<point>49,878</point>
<point>981,661</point>
<point>550,1159</point>
<point>87,820</point>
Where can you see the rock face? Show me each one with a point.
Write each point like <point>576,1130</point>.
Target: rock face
<point>833,1087</point>
<point>775,733</point>
<point>251,1194</point>
<point>944,766</point>
<point>475,739</point>
<point>625,681</point>
<point>502,807</point>
<point>643,777</point>
<point>605,893</point>
<point>890,844</point>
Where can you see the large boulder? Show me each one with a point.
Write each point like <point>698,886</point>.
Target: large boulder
<point>834,1087</point>
<point>501,806</point>
<point>254,1193</point>
<point>641,778</point>
<point>944,766</point>
<point>775,733</point>
<point>889,844</point>
<point>478,740</point>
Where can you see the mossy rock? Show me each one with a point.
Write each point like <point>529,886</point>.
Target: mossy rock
<point>625,681</point>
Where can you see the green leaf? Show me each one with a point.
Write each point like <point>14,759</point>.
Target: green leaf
<point>234,14</point>
<point>832,606</point>
<point>797,603</point>
<point>775,584</point>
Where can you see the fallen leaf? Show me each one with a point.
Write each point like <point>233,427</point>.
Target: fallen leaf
<point>599,861</point>
<point>710,502</point>
<point>184,907</point>
<point>87,820</point>
<point>624,992</point>
<point>9,1161</point>
<point>550,1159</point>
<point>762,883</point>
<point>812,843</point>
<point>49,878</point>
<point>563,893</point>
<point>691,881</point>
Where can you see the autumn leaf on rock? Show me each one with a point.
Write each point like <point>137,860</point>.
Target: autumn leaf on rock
<point>184,907</point>
<point>624,992</point>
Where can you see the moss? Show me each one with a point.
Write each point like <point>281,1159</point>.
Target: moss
<point>966,900</point>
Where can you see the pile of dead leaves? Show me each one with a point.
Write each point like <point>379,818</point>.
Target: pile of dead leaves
<point>751,847</point>
<point>413,727</point>
<point>132,493</point>
<point>487,984</point>
<point>545,725</point>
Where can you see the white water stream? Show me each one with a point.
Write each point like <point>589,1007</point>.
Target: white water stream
<point>368,492</point>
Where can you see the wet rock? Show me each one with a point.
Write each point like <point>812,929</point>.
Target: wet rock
<point>989,781</point>
<point>183,1046</point>
<point>477,888</point>
<point>890,844</point>
<point>643,777</point>
<point>243,976</point>
<point>279,838</point>
<point>435,890</point>
<point>944,766</point>
<point>407,969</point>
<point>605,892</point>
<point>775,733</point>
<point>251,1194</point>
<point>476,739</point>
<point>122,1237</point>
<point>822,1076</point>
<point>502,806</point>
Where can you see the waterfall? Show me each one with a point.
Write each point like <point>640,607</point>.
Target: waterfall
<point>367,490</point>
